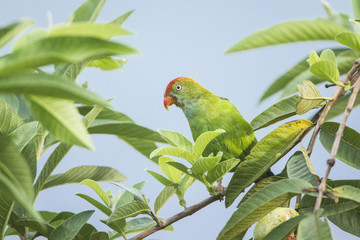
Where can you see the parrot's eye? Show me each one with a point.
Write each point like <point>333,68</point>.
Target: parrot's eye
<point>178,87</point>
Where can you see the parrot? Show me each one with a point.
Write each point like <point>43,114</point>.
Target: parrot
<point>206,111</point>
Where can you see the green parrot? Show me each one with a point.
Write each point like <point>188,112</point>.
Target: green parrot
<point>207,112</point>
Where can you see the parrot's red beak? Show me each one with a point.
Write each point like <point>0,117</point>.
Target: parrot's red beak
<point>168,101</point>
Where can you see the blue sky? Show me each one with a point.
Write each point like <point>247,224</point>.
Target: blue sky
<point>182,38</point>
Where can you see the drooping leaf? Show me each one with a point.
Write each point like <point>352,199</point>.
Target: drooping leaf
<point>10,31</point>
<point>277,112</point>
<point>131,209</point>
<point>221,169</point>
<point>176,139</point>
<point>347,192</point>
<point>349,39</point>
<point>61,118</point>
<point>349,148</point>
<point>70,227</point>
<point>283,230</point>
<point>108,63</point>
<point>143,146</point>
<point>96,187</point>
<point>261,203</point>
<point>264,154</point>
<point>80,173</point>
<point>173,174</point>
<point>124,129</point>
<point>297,168</point>
<point>205,164</point>
<point>23,134</point>
<point>106,113</point>
<point>99,236</point>
<point>312,227</point>
<point>163,180</point>
<point>203,140</point>
<point>348,221</point>
<point>164,196</point>
<point>39,226</point>
<point>310,97</point>
<point>52,50</point>
<point>95,203</point>
<point>289,32</point>
<point>9,120</point>
<point>48,85</point>
<point>6,207</point>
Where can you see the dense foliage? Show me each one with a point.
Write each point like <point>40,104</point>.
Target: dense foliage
<point>41,108</point>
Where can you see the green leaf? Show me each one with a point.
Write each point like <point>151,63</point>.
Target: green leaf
<point>85,29</point>
<point>260,185</point>
<point>297,168</point>
<point>99,236</point>
<point>349,39</point>
<point>203,140</point>
<point>349,148</point>
<point>264,154</point>
<point>9,120</point>
<point>124,129</point>
<point>88,11</point>
<point>60,151</point>
<point>15,177</point>
<point>163,180</point>
<point>176,139</point>
<point>139,224</point>
<point>204,164</point>
<point>221,169</point>
<point>95,203</point>
<point>96,187</point>
<point>108,63</point>
<point>173,174</point>
<point>310,97</point>
<point>164,196</point>
<point>5,211</point>
<point>261,203</point>
<point>174,151</point>
<point>283,230</point>
<point>143,146</point>
<point>277,112</point>
<point>289,32</point>
<point>120,20</point>
<point>80,173</point>
<point>12,100</point>
<point>48,85</point>
<point>70,227</point>
<point>9,32</point>
<point>61,118</point>
<point>106,113</point>
<point>131,209</point>
<point>356,8</point>
<point>39,226</point>
<point>340,106</point>
<point>313,57</point>
<point>23,134</point>
<point>348,221</point>
<point>128,197</point>
<point>180,167</point>
<point>327,55</point>
<point>133,190</point>
<point>287,83</point>
<point>52,50</point>
<point>326,70</point>
<point>347,192</point>
<point>313,228</point>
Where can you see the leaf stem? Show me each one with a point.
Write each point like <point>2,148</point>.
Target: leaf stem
<point>331,161</point>
<point>153,216</point>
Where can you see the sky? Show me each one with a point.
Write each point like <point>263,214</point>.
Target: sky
<point>181,38</point>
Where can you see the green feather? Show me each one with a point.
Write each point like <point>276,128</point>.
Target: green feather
<point>207,112</point>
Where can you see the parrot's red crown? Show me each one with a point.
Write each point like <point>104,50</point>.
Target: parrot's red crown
<point>169,86</point>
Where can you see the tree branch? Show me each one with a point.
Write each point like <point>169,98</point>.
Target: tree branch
<point>187,212</point>
<point>350,76</point>
<point>331,161</point>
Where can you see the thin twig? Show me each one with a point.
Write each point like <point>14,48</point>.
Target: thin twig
<point>153,216</point>
<point>335,146</point>
<point>187,212</point>
<point>350,76</point>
